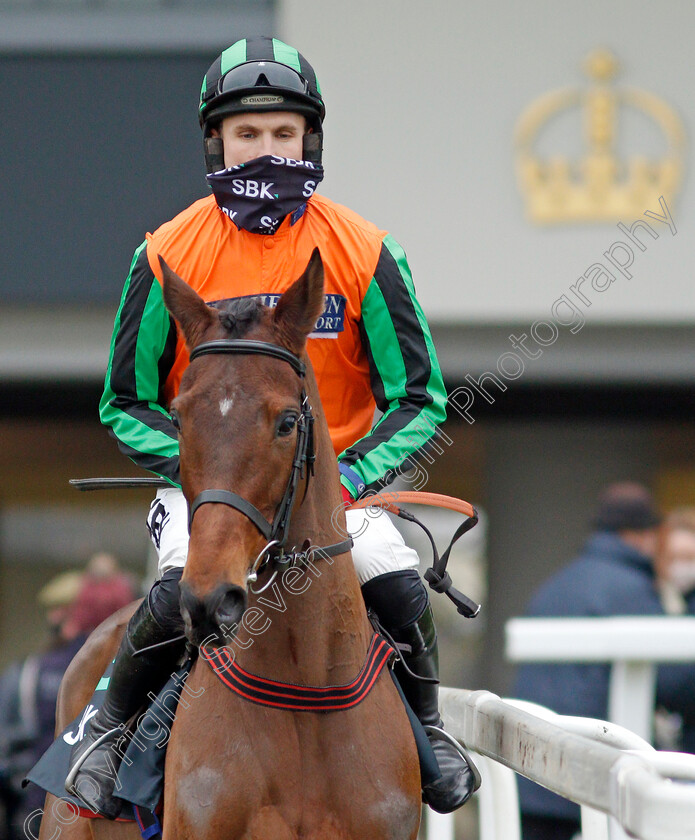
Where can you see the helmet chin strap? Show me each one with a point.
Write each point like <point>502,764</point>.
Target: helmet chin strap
<point>214,154</point>
<point>312,146</point>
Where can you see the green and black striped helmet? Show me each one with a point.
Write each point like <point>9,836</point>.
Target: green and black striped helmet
<point>256,75</point>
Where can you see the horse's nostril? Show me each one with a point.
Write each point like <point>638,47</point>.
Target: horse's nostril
<point>213,618</point>
<point>228,606</point>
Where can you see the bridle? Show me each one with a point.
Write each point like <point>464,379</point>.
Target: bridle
<point>275,532</point>
<point>302,463</point>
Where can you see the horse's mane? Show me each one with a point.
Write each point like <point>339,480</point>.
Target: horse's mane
<point>238,316</point>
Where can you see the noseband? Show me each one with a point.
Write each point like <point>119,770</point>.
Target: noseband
<point>276,531</point>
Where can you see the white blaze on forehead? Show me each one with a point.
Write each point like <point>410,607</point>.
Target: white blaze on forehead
<point>225,405</point>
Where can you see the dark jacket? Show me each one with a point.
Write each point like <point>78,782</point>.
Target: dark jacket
<point>608,578</point>
<point>28,695</point>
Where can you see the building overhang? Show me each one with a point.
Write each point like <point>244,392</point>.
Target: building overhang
<point>72,345</point>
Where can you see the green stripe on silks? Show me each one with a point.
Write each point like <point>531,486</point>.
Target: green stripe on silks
<point>390,366</point>
<point>392,453</point>
<point>150,343</point>
<point>136,256</point>
<point>128,429</point>
<point>399,256</point>
<point>286,55</point>
<point>137,435</point>
<point>103,683</point>
<point>392,369</point>
<point>236,54</point>
<point>389,360</point>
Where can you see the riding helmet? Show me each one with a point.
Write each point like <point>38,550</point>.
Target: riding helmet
<point>258,75</point>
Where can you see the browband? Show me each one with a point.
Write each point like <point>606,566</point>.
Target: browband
<point>245,345</point>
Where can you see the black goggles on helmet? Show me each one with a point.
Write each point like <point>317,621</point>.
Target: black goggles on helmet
<point>260,74</point>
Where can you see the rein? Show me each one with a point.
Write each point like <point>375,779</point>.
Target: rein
<point>437,575</point>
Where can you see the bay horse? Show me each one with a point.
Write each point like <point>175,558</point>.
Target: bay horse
<point>236,769</point>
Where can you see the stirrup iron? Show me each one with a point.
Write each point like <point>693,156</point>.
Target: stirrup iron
<point>438,734</point>
<point>74,770</point>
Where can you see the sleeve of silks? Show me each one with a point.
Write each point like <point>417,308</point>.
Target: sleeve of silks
<point>406,379</point>
<point>141,355</point>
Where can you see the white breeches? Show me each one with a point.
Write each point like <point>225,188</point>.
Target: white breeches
<point>379,546</point>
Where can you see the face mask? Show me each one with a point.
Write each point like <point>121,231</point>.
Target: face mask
<point>257,195</point>
<point>681,574</point>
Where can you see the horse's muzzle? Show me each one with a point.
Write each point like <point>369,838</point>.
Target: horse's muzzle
<point>213,619</point>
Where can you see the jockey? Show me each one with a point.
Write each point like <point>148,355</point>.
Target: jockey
<point>261,112</point>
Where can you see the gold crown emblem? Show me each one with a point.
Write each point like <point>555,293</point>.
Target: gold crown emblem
<point>599,186</point>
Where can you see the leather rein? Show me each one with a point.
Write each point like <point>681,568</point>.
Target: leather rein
<point>437,576</point>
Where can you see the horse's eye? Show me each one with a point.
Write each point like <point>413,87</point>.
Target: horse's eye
<point>286,425</point>
<point>176,420</point>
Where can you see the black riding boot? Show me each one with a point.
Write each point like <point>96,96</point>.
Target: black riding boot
<point>400,601</point>
<point>95,760</point>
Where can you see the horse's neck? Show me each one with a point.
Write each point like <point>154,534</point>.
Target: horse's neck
<point>313,621</point>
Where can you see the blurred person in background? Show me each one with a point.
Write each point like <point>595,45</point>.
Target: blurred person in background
<point>675,562</point>
<point>74,603</point>
<point>675,578</point>
<point>19,687</point>
<point>614,574</point>
<point>105,589</point>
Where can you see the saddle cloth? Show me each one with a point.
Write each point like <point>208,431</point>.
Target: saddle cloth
<point>141,774</point>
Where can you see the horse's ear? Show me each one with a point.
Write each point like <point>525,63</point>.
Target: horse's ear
<point>191,312</point>
<point>299,308</point>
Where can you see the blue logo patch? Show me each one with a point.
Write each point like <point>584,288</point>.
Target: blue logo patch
<point>332,319</point>
<point>329,324</point>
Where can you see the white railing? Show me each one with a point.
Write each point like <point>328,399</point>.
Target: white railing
<point>631,644</point>
<point>651,794</point>
<point>606,769</point>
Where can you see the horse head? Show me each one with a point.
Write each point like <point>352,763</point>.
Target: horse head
<point>239,414</point>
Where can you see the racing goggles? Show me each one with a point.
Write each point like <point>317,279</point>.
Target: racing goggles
<point>260,74</point>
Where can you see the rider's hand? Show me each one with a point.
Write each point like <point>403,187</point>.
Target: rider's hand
<point>347,496</point>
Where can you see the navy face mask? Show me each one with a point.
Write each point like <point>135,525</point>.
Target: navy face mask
<point>257,195</point>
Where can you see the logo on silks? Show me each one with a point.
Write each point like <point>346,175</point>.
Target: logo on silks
<point>156,521</point>
<point>73,737</point>
<point>330,322</point>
